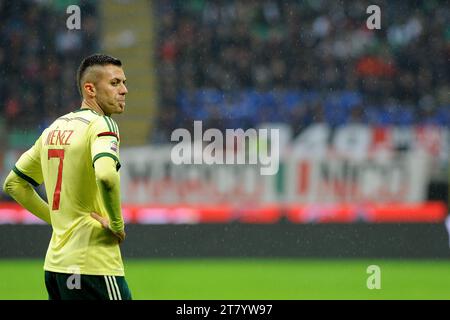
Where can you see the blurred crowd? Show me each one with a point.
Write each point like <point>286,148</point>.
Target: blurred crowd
<point>39,57</point>
<point>239,63</point>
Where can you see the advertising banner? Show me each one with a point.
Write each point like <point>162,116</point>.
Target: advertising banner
<point>150,177</point>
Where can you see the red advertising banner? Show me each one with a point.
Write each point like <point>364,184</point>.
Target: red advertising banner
<point>430,212</point>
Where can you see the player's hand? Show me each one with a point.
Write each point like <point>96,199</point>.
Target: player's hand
<point>105,224</point>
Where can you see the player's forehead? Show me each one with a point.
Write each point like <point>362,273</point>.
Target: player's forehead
<point>110,72</point>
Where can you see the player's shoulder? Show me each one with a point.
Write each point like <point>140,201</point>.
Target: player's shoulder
<point>104,126</point>
<point>95,118</point>
<point>86,116</point>
<point>108,124</point>
<point>85,113</point>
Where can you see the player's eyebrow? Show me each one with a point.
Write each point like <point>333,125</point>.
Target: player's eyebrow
<point>119,79</point>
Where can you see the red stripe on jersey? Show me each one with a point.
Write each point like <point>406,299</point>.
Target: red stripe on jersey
<point>113,134</point>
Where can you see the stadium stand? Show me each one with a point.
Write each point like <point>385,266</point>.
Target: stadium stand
<point>237,64</point>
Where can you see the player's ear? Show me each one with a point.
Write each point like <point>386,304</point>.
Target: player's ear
<point>89,88</point>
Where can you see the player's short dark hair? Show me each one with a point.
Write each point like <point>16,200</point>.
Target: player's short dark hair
<point>95,60</point>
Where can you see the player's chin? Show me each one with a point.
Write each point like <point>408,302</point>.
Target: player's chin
<point>121,107</point>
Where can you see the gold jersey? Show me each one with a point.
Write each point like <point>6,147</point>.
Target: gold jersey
<point>62,158</point>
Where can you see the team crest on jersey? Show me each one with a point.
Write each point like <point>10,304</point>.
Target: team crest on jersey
<point>114,146</point>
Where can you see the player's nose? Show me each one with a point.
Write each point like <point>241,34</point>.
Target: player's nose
<point>123,89</point>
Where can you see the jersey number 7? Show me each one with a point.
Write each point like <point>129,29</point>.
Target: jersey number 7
<point>57,153</point>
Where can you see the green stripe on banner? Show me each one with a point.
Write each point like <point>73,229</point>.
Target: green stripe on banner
<point>279,180</point>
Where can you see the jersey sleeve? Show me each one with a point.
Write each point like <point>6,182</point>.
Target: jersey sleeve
<point>28,167</point>
<point>105,140</point>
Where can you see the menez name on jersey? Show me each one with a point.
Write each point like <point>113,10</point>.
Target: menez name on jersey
<point>58,137</point>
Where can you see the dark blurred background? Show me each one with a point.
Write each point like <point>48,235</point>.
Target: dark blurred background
<point>363,114</point>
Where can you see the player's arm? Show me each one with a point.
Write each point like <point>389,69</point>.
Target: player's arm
<point>19,183</point>
<point>24,194</point>
<point>105,156</point>
<point>108,182</point>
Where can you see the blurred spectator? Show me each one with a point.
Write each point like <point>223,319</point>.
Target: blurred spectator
<point>237,63</point>
<point>39,57</point>
<point>302,48</point>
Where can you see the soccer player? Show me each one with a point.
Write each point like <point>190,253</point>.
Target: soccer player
<point>77,159</point>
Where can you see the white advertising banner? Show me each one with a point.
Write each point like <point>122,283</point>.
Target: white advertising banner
<point>150,177</point>
<point>390,179</point>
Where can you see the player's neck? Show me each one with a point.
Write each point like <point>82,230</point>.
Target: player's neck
<point>86,104</point>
